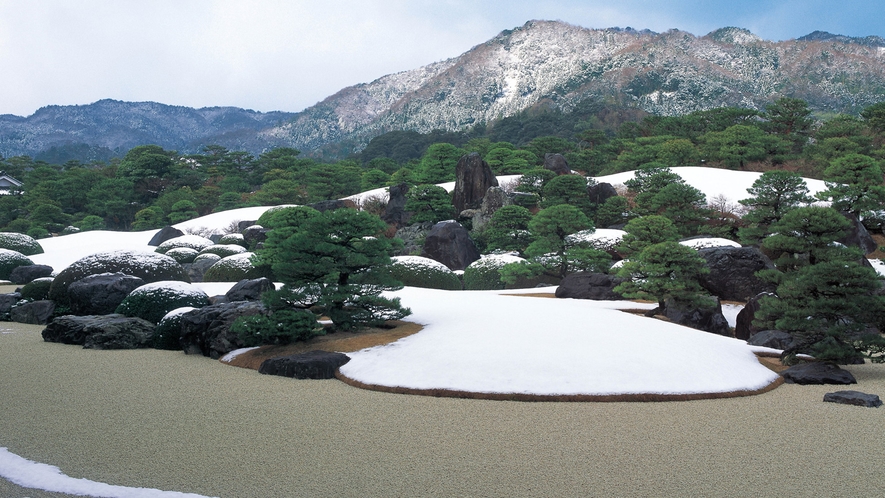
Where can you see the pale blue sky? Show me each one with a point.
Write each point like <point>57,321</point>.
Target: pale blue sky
<point>286,54</point>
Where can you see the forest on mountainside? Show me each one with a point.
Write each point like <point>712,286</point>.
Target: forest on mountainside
<point>151,187</point>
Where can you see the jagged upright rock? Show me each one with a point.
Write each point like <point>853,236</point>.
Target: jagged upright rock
<point>857,235</point>
<point>165,233</point>
<point>473,177</point>
<point>557,164</point>
<point>395,213</point>
<point>733,270</point>
<point>449,243</point>
<point>495,199</point>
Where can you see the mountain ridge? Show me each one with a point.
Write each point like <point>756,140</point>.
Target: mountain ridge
<point>548,63</point>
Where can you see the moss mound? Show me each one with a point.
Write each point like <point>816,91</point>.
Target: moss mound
<point>20,242</point>
<point>10,260</point>
<point>153,301</point>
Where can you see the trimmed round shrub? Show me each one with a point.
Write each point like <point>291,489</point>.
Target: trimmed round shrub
<point>417,271</point>
<point>206,255</point>
<point>20,242</point>
<point>37,289</point>
<point>167,335</point>
<point>10,260</point>
<point>153,301</point>
<point>193,241</point>
<point>483,274</point>
<point>233,269</point>
<point>182,254</point>
<point>224,250</point>
<point>233,238</point>
<point>148,266</point>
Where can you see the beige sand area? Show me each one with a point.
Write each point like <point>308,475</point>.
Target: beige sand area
<point>166,420</point>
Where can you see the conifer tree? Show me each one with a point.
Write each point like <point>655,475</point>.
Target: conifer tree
<point>774,193</point>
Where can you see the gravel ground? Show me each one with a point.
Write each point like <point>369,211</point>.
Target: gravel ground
<point>166,420</point>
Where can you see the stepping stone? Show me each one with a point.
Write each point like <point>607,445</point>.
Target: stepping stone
<point>856,398</point>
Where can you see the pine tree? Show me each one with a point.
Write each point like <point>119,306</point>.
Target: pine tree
<point>774,193</point>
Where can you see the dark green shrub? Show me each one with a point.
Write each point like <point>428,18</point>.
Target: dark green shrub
<point>417,271</point>
<point>282,327</point>
<point>149,266</point>
<point>233,238</point>
<point>21,243</point>
<point>182,254</point>
<point>484,273</point>
<point>37,289</point>
<point>153,301</point>
<point>235,268</point>
<point>10,260</point>
<point>224,250</point>
<point>167,335</point>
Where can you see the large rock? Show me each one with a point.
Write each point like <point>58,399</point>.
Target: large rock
<point>495,199</point>
<point>601,192</point>
<point>24,274</point>
<point>473,177</point>
<point>732,272</point>
<point>449,243</point>
<point>587,285</point>
<point>775,339</point>
<point>395,212</point>
<point>165,233</point>
<point>557,164</point>
<point>8,300</point>
<point>312,365</point>
<point>35,312</point>
<point>413,237</point>
<point>249,289</point>
<point>101,294</point>
<point>744,328</point>
<point>254,236</point>
<point>855,398</point>
<point>709,319</point>
<point>207,331</point>
<point>817,373</point>
<point>100,332</point>
<point>858,236</point>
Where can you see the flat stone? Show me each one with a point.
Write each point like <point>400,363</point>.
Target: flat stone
<point>311,365</point>
<point>817,373</point>
<point>856,398</point>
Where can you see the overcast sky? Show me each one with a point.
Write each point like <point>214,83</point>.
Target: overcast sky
<point>287,55</point>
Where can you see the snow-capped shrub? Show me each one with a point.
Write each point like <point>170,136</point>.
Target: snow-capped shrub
<point>233,269</point>
<point>148,266</point>
<point>20,242</point>
<point>167,335</point>
<point>417,271</point>
<point>209,256</point>
<point>706,242</point>
<point>153,301</point>
<point>604,239</point>
<point>193,241</point>
<point>483,274</point>
<point>233,238</point>
<point>10,260</point>
<point>37,289</point>
<point>182,254</point>
<point>224,250</point>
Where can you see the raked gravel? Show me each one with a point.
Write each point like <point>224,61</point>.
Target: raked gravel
<point>166,420</point>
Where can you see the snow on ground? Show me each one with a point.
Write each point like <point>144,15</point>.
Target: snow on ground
<point>705,242</point>
<point>381,193</point>
<point>29,474</point>
<point>486,342</point>
<point>879,265</point>
<point>713,182</point>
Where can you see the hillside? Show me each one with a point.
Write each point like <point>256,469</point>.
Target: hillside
<point>540,64</point>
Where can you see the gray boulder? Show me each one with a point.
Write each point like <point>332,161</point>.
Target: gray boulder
<point>35,312</point>
<point>473,177</point>
<point>495,199</point>
<point>587,285</point>
<point>744,328</point>
<point>413,237</point>
<point>817,373</point>
<point>254,236</point>
<point>557,164</point>
<point>24,274</point>
<point>112,331</point>
<point>709,319</point>
<point>858,236</point>
<point>601,192</point>
<point>165,233</point>
<point>207,331</point>
<point>101,294</point>
<point>733,270</point>
<point>7,301</point>
<point>449,243</point>
<point>394,212</point>
<point>197,269</point>
<point>775,339</point>
<point>311,365</point>
<point>249,290</point>
<point>855,398</point>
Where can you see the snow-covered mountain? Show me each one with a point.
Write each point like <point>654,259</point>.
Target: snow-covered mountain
<point>542,63</point>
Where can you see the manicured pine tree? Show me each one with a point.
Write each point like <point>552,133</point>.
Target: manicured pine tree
<point>646,231</point>
<point>774,193</point>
